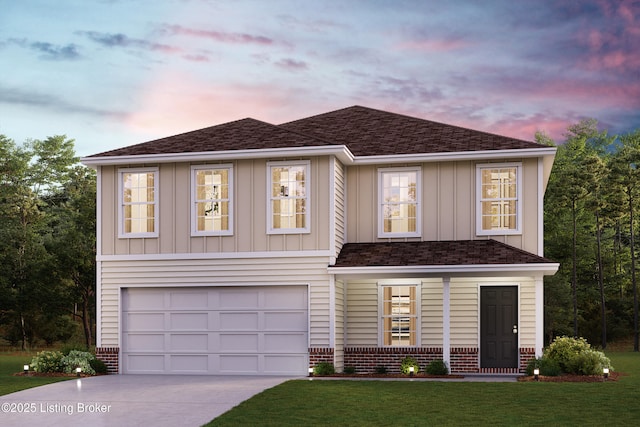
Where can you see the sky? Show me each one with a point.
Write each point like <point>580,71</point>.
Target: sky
<point>111,73</point>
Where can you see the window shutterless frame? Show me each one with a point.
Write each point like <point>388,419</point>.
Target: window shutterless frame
<point>138,202</point>
<point>400,202</point>
<point>212,197</point>
<point>399,313</point>
<point>498,199</point>
<point>288,197</point>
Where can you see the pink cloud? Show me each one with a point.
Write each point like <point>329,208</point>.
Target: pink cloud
<point>432,45</point>
<point>219,36</point>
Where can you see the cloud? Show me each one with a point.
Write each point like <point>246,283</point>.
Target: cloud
<point>49,51</point>
<point>218,36</point>
<point>113,40</point>
<point>55,104</point>
<point>433,45</point>
<point>292,65</point>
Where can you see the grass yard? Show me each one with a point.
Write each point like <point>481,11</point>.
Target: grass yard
<point>11,363</point>
<point>375,403</point>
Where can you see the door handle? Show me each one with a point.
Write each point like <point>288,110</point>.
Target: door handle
<point>515,329</point>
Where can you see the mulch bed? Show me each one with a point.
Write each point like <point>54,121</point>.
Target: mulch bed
<point>613,376</point>
<point>49,374</point>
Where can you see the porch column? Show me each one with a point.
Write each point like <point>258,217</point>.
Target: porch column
<point>539,315</point>
<point>446,320</point>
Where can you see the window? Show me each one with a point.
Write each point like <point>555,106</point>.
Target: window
<point>399,206</point>
<point>288,197</point>
<point>499,199</point>
<point>138,213</point>
<point>399,316</point>
<point>211,192</point>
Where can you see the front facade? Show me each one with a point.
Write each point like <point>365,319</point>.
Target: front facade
<point>355,237</point>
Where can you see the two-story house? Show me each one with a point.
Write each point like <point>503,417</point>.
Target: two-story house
<point>356,237</point>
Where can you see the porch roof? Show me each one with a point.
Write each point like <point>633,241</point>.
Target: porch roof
<point>486,257</point>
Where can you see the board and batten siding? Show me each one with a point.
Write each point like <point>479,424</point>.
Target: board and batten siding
<point>249,212</point>
<point>309,271</point>
<point>448,203</point>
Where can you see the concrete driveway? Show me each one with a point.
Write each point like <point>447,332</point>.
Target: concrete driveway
<point>131,400</point>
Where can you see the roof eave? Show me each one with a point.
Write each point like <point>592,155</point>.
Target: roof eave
<point>457,156</point>
<point>535,269</point>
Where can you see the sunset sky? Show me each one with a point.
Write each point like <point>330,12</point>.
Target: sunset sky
<point>110,73</point>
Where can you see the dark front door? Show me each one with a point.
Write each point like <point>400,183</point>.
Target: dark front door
<point>499,326</point>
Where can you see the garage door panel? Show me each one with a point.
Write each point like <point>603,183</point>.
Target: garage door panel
<point>282,320</point>
<point>143,321</point>
<point>215,330</point>
<point>284,343</point>
<point>238,321</point>
<point>189,364</point>
<point>189,342</point>
<point>189,321</point>
<point>145,342</point>
<point>188,300</point>
<point>248,343</point>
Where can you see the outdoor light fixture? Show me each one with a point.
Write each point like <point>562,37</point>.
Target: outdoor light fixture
<point>78,370</point>
<point>26,369</point>
<point>536,374</point>
<point>605,373</point>
<point>310,372</point>
<point>411,370</point>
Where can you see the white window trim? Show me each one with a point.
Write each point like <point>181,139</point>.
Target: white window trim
<point>479,168</point>
<point>156,202</point>
<point>307,178</point>
<point>418,232</point>
<point>399,282</point>
<point>194,213</point>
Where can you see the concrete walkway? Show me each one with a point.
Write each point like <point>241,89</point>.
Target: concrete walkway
<point>131,400</point>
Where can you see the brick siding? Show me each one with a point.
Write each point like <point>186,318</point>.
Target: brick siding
<point>464,360</point>
<point>367,359</point>
<point>317,355</point>
<point>110,357</point>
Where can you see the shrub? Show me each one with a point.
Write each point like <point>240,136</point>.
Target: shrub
<point>406,363</point>
<point>78,359</point>
<point>68,348</point>
<point>47,361</point>
<point>349,370</point>
<point>324,368</point>
<point>575,356</point>
<point>381,369</point>
<point>99,366</point>
<point>437,367</point>
<point>548,367</point>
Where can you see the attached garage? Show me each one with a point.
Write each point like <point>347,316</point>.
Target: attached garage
<point>253,330</point>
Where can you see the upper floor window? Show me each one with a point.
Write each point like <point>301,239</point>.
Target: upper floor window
<point>499,199</point>
<point>288,197</point>
<point>399,319</point>
<point>399,202</point>
<point>138,212</point>
<point>211,209</point>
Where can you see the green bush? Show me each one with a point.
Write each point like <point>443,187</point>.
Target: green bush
<point>324,368</point>
<point>47,361</point>
<point>68,348</point>
<point>406,363</point>
<point>99,366</point>
<point>548,367</point>
<point>349,370</point>
<point>381,369</point>
<point>78,359</point>
<point>437,367</point>
<point>575,356</point>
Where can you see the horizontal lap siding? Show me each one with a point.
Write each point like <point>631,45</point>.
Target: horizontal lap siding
<point>227,272</point>
<point>362,314</point>
<point>527,312</point>
<point>339,325</point>
<point>431,334</point>
<point>464,314</point>
<point>339,206</point>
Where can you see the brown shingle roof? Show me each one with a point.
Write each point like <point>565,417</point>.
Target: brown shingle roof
<point>365,131</point>
<point>369,132</point>
<point>460,252</point>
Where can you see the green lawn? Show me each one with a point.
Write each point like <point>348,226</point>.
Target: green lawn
<point>403,403</point>
<point>11,363</point>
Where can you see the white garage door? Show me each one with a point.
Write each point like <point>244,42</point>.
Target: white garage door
<point>216,331</point>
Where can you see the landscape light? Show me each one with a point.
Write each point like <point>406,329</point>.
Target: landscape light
<point>26,369</point>
<point>536,374</point>
<point>78,370</point>
<point>310,372</point>
<point>411,370</point>
<point>605,372</point>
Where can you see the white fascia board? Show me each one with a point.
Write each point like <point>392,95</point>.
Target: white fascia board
<point>455,156</point>
<point>545,269</point>
<point>216,255</point>
<point>340,151</point>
